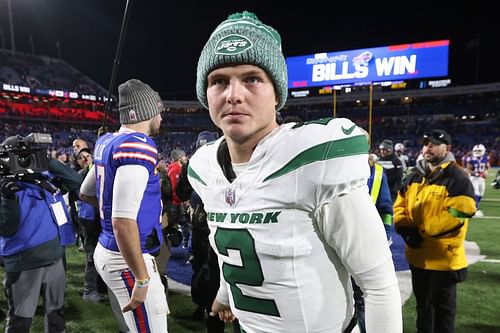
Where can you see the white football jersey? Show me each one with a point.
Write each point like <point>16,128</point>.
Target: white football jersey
<point>280,273</point>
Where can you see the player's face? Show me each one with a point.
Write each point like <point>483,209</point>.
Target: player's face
<point>84,159</point>
<point>78,144</point>
<point>384,152</point>
<point>184,160</point>
<point>242,102</point>
<point>434,153</point>
<point>154,125</point>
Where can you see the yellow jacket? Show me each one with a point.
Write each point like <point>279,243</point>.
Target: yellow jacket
<point>439,204</point>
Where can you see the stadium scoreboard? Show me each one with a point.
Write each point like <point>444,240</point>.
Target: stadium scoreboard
<point>378,65</point>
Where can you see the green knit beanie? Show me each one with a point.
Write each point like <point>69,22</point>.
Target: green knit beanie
<point>243,39</point>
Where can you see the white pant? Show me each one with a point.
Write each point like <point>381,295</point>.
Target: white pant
<point>151,316</point>
<point>478,184</point>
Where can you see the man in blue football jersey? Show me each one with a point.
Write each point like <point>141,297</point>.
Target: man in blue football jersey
<point>126,186</point>
<point>478,165</point>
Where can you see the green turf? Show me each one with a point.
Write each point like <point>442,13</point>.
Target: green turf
<point>478,308</point>
<point>97,318</point>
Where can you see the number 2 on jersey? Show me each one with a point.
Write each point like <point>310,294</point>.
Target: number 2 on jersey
<point>249,273</point>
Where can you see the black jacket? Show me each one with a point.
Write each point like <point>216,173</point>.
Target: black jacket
<point>394,170</point>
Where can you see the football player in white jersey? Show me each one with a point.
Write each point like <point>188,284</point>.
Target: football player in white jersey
<point>478,166</point>
<point>288,208</point>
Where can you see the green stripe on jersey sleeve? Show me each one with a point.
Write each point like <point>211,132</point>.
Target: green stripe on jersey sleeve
<point>329,150</point>
<point>193,174</point>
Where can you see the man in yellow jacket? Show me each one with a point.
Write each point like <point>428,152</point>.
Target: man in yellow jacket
<point>431,213</point>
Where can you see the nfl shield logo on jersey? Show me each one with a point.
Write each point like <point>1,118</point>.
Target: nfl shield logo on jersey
<point>229,195</point>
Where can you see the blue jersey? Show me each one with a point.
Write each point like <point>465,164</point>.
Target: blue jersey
<point>130,148</point>
<point>478,165</point>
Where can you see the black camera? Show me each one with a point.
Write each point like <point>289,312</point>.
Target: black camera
<point>24,155</point>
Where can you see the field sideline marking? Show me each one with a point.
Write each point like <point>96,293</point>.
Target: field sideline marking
<point>486,217</point>
<point>490,199</point>
<point>496,261</point>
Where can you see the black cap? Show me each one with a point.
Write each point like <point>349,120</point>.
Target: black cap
<point>437,137</point>
<point>83,150</point>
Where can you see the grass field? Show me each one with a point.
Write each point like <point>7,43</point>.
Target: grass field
<point>478,309</point>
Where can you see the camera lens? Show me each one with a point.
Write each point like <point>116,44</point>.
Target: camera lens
<point>24,161</point>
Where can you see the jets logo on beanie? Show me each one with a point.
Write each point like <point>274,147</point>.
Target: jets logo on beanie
<point>137,102</point>
<point>243,39</point>
<point>232,44</point>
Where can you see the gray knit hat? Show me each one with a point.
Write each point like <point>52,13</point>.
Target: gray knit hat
<point>243,39</point>
<point>137,102</point>
<point>176,154</point>
<point>386,144</point>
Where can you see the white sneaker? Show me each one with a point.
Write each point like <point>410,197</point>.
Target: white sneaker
<point>479,214</point>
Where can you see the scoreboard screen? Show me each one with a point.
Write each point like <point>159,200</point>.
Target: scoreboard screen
<point>386,63</point>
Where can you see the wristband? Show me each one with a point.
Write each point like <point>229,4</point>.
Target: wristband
<point>142,283</point>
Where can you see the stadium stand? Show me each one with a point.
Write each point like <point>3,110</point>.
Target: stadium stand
<point>39,93</point>
<point>42,72</point>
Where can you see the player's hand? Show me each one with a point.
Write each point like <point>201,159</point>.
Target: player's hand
<point>411,236</point>
<point>137,298</point>
<point>224,311</point>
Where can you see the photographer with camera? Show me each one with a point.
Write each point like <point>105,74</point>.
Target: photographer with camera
<point>34,229</point>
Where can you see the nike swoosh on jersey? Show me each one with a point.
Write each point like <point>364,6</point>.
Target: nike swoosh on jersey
<point>144,139</point>
<point>349,130</point>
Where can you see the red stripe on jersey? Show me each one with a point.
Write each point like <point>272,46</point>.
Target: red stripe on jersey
<point>139,156</point>
<point>137,145</point>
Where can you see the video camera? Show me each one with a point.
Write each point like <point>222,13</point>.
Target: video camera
<point>24,155</point>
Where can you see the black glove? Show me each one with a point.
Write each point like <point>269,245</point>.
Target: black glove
<point>411,236</point>
<point>9,187</point>
<point>173,234</point>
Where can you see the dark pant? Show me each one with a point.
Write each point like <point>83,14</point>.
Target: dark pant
<point>23,289</point>
<point>92,280</point>
<point>435,292</point>
<point>181,218</point>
